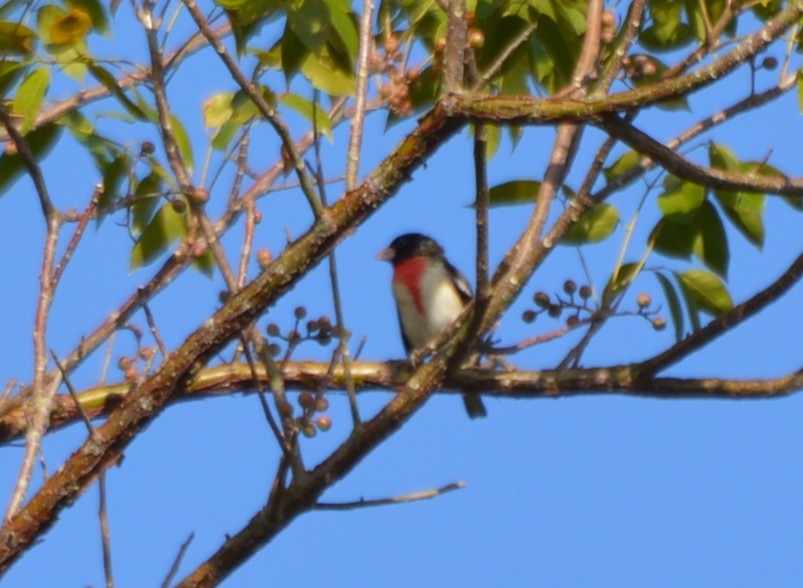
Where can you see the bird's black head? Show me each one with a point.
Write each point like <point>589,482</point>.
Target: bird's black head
<point>410,245</point>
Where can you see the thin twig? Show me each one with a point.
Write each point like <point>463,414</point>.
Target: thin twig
<point>74,395</point>
<point>154,331</point>
<point>401,499</point>
<point>259,101</point>
<point>358,118</point>
<point>343,334</point>
<point>274,427</point>
<point>500,61</point>
<point>79,232</point>
<point>29,160</point>
<point>182,551</point>
<point>105,534</point>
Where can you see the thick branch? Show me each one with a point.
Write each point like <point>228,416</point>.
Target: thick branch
<point>145,403</point>
<point>382,377</point>
<point>678,165</point>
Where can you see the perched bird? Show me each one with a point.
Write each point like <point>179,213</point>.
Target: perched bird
<point>430,293</point>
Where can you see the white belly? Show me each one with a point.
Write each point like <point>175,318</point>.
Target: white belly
<point>441,306</point>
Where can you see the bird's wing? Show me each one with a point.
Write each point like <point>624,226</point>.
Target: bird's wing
<point>463,287</point>
<point>408,348</point>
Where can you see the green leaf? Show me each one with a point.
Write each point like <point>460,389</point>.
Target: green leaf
<point>743,209</point>
<point>322,72</point>
<point>310,21</point>
<point>16,39</point>
<point>673,301</point>
<point>40,141</point>
<point>514,193</point>
<point>711,242</point>
<point>723,158</point>
<point>114,172</point>
<point>622,165</point>
<point>306,108</point>
<point>217,110</point>
<point>205,264</point>
<point>345,30</point>
<point>110,83</point>
<point>800,94</point>
<point>708,291</point>
<point>619,281</point>
<point>680,198</point>
<point>293,51</point>
<point>183,141</point>
<point>673,239</point>
<point>31,95</point>
<point>595,225</point>
<point>10,73</point>
<point>166,227</point>
<point>225,134</point>
<point>147,197</point>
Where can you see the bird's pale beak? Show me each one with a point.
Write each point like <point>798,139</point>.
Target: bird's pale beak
<point>386,254</point>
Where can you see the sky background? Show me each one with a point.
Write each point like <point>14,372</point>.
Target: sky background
<point>590,490</point>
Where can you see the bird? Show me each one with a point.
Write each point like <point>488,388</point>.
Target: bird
<point>430,293</point>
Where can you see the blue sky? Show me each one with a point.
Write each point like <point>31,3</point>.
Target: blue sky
<point>601,490</point>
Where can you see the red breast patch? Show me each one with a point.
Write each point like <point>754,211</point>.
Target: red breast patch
<point>410,273</point>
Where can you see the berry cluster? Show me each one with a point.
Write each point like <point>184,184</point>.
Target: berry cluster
<point>319,330</point>
<point>577,303</point>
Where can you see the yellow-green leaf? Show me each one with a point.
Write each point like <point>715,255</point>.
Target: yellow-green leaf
<point>70,28</point>
<point>217,110</point>
<point>323,73</point>
<point>622,165</point>
<point>30,97</point>
<point>306,108</point>
<point>515,192</point>
<point>16,38</point>
<point>95,11</point>
<point>680,198</point>
<point>595,225</point>
<point>708,291</point>
<point>166,227</point>
<point>183,141</point>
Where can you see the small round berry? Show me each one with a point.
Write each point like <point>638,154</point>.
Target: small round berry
<point>324,423</point>
<point>643,300</point>
<point>199,196</point>
<point>273,330</point>
<point>554,310</point>
<point>659,324</point>
<point>306,399</point>
<point>300,312</point>
<point>529,316</point>
<point>321,404</point>
<point>585,292</point>
<point>541,299</point>
<point>570,287</point>
<point>476,38</point>
<point>264,258</point>
<point>572,321</point>
<point>769,63</point>
<point>147,148</point>
<point>285,409</point>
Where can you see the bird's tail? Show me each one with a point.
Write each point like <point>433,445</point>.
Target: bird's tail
<point>474,405</point>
